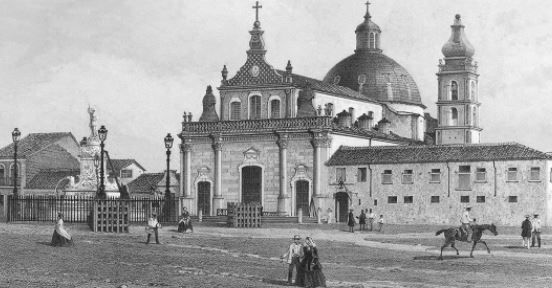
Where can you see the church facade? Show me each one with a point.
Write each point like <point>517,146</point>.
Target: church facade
<point>277,138</point>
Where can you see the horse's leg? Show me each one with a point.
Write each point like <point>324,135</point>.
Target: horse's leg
<point>473,247</point>
<point>488,250</point>
<point>452,245</point>
<point>442,247</point>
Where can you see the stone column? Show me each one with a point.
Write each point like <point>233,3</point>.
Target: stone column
<point>217,197</point>
<point>321,142</point>
<point>283,198</point>
<point>186,176</point>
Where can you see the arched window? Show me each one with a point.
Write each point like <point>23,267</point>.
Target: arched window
<point>454,90</point>
<point>235,110</point>
<point>473,91</point>
<point>377,41</point>
<point>275,108</point>
<point>372,40</point>
<point>475,120</point>
<point>2,173</point>
<point>453,117</point>
<point>255,107</point>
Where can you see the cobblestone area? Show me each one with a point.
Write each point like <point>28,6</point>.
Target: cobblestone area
<point>224,257</point>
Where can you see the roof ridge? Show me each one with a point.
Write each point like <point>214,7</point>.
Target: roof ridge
<point>437,146</point>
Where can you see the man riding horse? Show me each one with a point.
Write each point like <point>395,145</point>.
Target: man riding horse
<point>466,228</point>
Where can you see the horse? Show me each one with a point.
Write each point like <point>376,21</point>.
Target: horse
<point>453,234</point>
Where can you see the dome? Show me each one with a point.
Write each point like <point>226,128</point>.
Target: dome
<point>458,44</point>
<point>377,76</point>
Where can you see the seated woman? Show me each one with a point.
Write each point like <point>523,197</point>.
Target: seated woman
<point>185,223</point>
<point>61,238</point>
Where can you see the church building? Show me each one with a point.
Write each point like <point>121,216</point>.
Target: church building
<point>282,140</point>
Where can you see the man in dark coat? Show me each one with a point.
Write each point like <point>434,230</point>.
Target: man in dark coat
<point>526,228</point>
<point>362,220</point>
<point>351,221</point>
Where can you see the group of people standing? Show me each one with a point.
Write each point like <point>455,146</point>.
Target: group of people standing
<point>153,225</point>
<point>303,258</point>
<point>531,230</point>
<point>366,216</point>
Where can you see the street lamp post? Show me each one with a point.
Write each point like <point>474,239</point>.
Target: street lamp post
<point>102,134</point>
<point>15,137</point>
<point>97,165</point>
<point>168,144</point>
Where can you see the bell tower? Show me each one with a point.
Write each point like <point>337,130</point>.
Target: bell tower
<point>457,104</point>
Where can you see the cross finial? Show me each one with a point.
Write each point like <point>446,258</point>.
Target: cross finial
<point>368,16</point>
<point>257,7</point>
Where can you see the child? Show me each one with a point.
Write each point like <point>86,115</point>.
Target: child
<point>380,223</point>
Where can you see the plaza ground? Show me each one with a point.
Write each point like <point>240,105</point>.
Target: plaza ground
<point>403,256</point>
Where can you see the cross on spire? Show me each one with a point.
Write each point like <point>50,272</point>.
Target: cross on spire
<point>257,7</point>
<point>368,16</point>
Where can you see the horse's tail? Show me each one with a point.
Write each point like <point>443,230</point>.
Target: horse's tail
<point>440,231</point>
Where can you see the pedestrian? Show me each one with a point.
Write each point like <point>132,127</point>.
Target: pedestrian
<point>371,219</point>
<point>351,221</point>
<point>60,237</point>
<point>310,272</point>
<point>362,220</point>
<point>185,223</point>
<point>330,215</point>
<point>292,257</point>
<point>380,223</point>
<point>536,224</point>
<point>526,231</point>
<point>152,228</point>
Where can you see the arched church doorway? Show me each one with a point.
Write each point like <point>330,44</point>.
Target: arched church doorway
<point>302,196</point>
<point>341,206</point>
<point>204,197</point>
<point>251,184</point>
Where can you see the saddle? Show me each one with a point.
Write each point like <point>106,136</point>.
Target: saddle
<point>463,235</point>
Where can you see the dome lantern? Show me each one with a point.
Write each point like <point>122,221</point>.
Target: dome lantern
<point>368,34</point>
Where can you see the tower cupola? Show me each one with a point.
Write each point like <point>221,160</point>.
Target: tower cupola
<point>458,44</point>
<point>368,34</point>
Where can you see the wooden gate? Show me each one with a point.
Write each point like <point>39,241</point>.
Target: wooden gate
<point>244,215</point>
<point>110,216</point>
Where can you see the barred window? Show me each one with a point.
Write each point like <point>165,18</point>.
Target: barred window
<point>512,199</point>
<point>407,177</point>
<point>275,108</point>
<point>512,174</point>
<point>235,110</point>
<point>126,173</point>
<point>361,175</point>
<point>465,199</point>
<point>392,199</point>
<point>480,199</point>
<point>340,175</point>
<point>387,177</point>
<point>435,176</point>
<point>255,107</point>
<point>435,199</point>
<point>408,199</point>
<point>481,175</point>
<point>534,174</point>
<point>464,175</point>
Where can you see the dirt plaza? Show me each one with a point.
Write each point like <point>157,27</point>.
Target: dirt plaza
<point>403,256</point>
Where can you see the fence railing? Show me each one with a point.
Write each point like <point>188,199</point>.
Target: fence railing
<point>77,209</point>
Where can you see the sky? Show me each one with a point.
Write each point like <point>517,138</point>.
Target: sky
<point>143,63</point>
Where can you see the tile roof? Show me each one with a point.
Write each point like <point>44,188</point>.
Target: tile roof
<point>145,183</point>
<point>435,153</point>
<point>375,134</point>
<point>48,179</point>
<point>32,143</point>
<point>300,81</point>
<point>119,164</point>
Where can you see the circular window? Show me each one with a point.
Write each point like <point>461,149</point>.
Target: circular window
<point>336,80</point>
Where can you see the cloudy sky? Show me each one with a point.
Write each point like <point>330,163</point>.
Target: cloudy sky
<point>143,63</point>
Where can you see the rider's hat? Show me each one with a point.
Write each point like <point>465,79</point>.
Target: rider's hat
<point>296,237</point>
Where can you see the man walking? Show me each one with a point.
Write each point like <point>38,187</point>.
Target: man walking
<point>371,219</point>
<point>536,223</point>
<point>153,227</point>
<point>466,221</point>
<point>526,231</point>
<point>292,257</point>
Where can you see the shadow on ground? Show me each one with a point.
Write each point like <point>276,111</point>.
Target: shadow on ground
<point>447,257</point>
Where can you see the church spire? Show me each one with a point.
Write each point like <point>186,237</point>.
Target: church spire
<point>368,33</point>
<point>257,42</point>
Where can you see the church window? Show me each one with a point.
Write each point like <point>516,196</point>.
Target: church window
<point>480,175</point>
<point>255,107</point>
<point>534,174</point>
<point>2,174</point>
<point>361,175</point>
<point>454,90</point>
<point>435,199</point>
<point>392,199</point>
<point>235,110</point>
<point>465,199</point>
<point>464,175</point>
<point>387,177</point>
<point>512,199</point>
<point>480,199</point>
<point>435,176</point>
<point>512,174</point>
<point>408,199</point>
<point>474,119</point>
<point>407,177</point>
<point>340,175</point>
<point>126,173</point>
<point>377,41</point>
<point>275,108</point>
<point>453,116</point>
<point>372,40</point>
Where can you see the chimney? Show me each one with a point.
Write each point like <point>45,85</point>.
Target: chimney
<point>344,119</point>
<point>365,121</point>
<point>384,126</point>
<point>352,113</point>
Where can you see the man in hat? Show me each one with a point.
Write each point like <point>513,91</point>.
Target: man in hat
<point>292,257</point>
<point>536,223</point>
<point>153,226</point>
<point>526,231</point>
<point>466,223</point>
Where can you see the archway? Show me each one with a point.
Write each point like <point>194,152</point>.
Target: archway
<point>251,184</point>
<point>302,196</point>
<point>341,206</point>
<point>204,198</point>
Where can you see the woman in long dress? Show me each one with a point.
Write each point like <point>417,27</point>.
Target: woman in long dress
<point>61,238</point>
<point>185,223</point>
<point>310,273</point>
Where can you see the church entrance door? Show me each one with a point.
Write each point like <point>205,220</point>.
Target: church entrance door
<point>302,196</point>
<point>251,184</point>
<point>341,206</point>
<point>204,198</point>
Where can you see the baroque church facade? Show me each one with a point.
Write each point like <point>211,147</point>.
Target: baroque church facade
<point>278,138</point>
